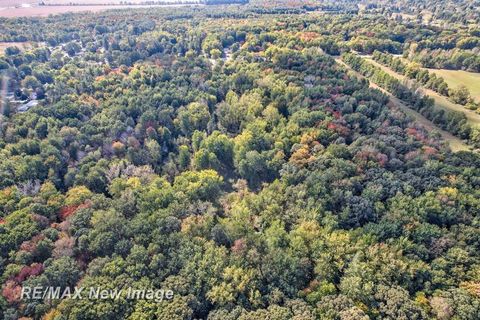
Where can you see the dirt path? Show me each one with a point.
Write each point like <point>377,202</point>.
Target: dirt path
<point>456,144</point>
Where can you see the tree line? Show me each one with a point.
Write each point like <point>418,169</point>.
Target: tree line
<point>430,80</point>
<point>452,121</point>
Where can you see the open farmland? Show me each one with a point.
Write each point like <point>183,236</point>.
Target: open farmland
<point>28,8</point>
<point>44,11</point>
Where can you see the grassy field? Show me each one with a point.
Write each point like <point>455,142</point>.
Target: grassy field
<point>29,8</point>
<point>455,78</point>
<point>440,101</point>
<point>455,143</point>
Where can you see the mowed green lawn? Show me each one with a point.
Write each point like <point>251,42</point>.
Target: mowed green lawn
<point>454,78</point>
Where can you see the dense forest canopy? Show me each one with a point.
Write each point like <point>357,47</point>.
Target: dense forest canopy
<point>224,153</point>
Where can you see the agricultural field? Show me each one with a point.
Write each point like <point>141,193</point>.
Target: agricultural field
<point>29,8</point>
<point>44,11</point>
